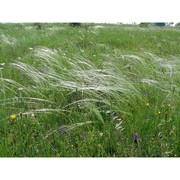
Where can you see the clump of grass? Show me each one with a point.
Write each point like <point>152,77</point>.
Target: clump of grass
<point>79,77</point>
<point>74,104</point>
<point>114,85</point>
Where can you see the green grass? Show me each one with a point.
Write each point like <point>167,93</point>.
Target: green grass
<point>85,91</point>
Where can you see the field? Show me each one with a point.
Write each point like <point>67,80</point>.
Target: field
<point>94,90</point>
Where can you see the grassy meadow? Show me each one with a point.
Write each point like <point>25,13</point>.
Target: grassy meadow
<point>95,90</point>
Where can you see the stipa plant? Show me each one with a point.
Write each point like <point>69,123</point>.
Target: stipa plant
<point>7,40</point>
<point>56,72</point>
<point>59,84</point>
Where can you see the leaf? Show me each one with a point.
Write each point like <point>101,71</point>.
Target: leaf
<point>97,114</point>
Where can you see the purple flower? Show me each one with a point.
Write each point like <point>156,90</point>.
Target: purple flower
<point>62,129</point>
<point>74,97</point>
<point>145,93</point>
<point>136,136</point>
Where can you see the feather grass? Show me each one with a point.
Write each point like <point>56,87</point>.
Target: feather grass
<point>119,81</point>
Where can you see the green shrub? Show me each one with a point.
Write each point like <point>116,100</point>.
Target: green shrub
<point>75,24</point>
<point>144,24</point>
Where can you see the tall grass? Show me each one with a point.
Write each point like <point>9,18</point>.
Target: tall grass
<point>63,93</point>
<point>118,82</point>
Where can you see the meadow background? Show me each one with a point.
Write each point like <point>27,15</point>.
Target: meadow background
<point>94,90</point>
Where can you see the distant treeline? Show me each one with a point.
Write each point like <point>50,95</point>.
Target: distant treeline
<point>160,24</point>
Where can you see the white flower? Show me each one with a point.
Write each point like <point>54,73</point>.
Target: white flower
<point>101,134</point>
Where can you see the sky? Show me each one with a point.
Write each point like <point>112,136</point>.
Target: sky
<point>98,11</point>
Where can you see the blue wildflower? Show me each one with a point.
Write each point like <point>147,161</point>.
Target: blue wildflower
<point>63,130</point>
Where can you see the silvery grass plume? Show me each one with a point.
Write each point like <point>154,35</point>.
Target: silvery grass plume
<point>152,71</point>
<point>7,40</point>
<point>119,81</point>
<point>55,71</point>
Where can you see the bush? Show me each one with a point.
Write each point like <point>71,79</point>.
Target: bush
<point>160,24</point>
<point>75,24</point>
<point>143,24</point>
<point>39,25</point>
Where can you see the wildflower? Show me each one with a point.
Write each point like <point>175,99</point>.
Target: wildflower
<point>159,112</point>
<point>147,104</point>
<point>63,130</point>
<point>13,117</point>
<point>136,137</point>
<point>33,115</point>
<point>101,134</point>
<point>169,105</point>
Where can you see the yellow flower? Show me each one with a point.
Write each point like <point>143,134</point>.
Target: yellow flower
<point>13,117</point>
<point>159,112</point>
<point>147,104</point>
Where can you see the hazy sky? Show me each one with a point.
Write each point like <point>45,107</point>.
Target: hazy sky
<point>110,11</point>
